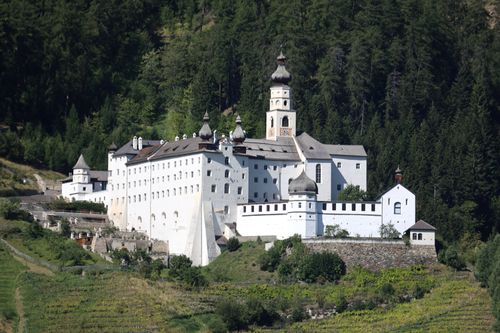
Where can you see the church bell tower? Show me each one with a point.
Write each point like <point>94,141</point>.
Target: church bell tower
<point>281,117</point>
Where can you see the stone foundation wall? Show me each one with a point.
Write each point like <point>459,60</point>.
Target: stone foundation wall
<point>376,254</point>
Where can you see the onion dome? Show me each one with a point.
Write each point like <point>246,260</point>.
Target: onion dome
<point>112,147</point>
<point>81,164</point>
<point>205,131</point>
<point>238,134</point>
<point>302,185</point>
<point>281,75</point>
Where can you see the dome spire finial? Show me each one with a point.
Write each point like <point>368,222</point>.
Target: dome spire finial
<point>281,75</point>
<point>238,134</point>
<point>205,132</point>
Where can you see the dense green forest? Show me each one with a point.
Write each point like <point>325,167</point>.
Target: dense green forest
<point>417,82</point>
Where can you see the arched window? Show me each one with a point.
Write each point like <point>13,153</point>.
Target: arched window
<point>163,216</point>
<point>272,122</point>
<point>284,122</point>
<point>414,236</point>
<point>397,208</point>
<point>153,217</point>
<point>419,236</point>
<point>226,160</point>
<point>318,173</point>
<point>226,188</point>
<point>139,219</point>
<point>226,173</point>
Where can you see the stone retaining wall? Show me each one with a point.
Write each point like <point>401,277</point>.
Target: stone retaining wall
<point>376,254</point>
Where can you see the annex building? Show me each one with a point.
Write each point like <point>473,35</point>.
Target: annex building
<point>194,190</point>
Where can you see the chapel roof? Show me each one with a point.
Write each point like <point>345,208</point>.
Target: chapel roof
<point>312,148</point>
<point>281,149</point>
<point>346,150</point>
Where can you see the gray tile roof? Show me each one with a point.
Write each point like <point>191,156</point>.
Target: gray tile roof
<point>346,150</point>
<point>127,149</point>
<point>421,225</point>
<point>101,176</point>
<point>312,148</point>
<point>281,149</point>
<point>81,164</point>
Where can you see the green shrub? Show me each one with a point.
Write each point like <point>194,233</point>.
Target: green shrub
<point>233,314</point>
<point>193,277</point>
<point>451,258</point>
<point>75,206</point>
<point>326,266</point>
<point>233,244</point>
<point>178,265</point>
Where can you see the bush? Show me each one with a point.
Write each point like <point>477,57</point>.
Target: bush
<point>10,210</point>
<point>233,244</point>
<point>239,314</point>
<point>334,231</point>
<point>325,266</point>
<point>233,314</point>
<point>75,206</point>
<point>451,258</point>
<point>193,277</point>
<point>388,231</point>
<point>178,265</point>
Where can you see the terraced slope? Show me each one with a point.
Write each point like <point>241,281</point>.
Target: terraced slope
<point>459,305</point>
<point>111,302</point>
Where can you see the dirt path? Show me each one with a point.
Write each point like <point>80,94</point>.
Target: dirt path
<point>20,312</point>
<point>33,267</point>
<point>5,327</point>
<point>41,183</point>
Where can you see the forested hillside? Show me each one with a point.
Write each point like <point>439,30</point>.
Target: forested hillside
<point>417,82</point>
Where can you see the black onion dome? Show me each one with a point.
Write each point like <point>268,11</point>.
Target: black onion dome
<point>238,134</point>
<point>205,131</point>
<point>281,75</point>
<point>302,184</point>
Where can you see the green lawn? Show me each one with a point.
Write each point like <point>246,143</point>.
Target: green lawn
<point>239,266</point>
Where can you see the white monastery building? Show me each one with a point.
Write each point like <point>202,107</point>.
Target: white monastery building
<point>192,191</point>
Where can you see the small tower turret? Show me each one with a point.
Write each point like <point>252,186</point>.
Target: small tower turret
<point>281,117</point>
<point>398,176</point>
<point>81,171</point>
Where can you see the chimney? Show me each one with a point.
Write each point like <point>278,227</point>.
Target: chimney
<point>184,137</point>
<point>134,143</point>
<point>140,144</point>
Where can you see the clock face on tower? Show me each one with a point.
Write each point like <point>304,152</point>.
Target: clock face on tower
<point>285,131</point>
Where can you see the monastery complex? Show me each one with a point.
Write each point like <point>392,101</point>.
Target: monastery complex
<point>195,191</point>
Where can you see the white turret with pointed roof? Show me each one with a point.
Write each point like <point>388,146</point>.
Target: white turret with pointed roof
<point>281,117</point>
<point>81,171</point>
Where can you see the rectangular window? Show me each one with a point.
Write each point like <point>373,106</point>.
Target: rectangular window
<point>255,179</point>
<point>358,165</point>
<point>373,207</point>
<point>244,209</point>
<point>268,208</point>
<point>255,166</point>
<point>334,206</point>
<point>324,206</point>
<point>275,167</point>
<point>209,173</point>
<point>226,209</point>
<point>239,190</point>
<point>343,206</point>
<point>265,180</point>
<point>243,176</point>
<point>275,180</point>
<point>265,166</point>
<point>260,208</point>
<point>363,207</point>
<point>214,188</point>
<point>339,187</point>
<point>284,206</point>
<point>275,207</point>
<point>255,194</point>
<point>353,207</point>
<point>252,209</point>
<point>209,160</point>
